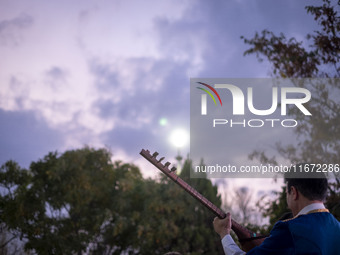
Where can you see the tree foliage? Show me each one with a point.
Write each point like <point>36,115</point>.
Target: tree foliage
<point>81,201</point>
<point>318,137</point>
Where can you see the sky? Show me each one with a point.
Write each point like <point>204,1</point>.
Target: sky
<point>116,74</point>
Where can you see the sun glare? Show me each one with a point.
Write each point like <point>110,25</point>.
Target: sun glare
<point>179,138</point>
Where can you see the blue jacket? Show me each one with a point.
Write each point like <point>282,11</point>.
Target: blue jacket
<point>316,233</point>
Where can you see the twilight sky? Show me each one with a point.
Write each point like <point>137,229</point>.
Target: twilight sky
<point>104,73</point>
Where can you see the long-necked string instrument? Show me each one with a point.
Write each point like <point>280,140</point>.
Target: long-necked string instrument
<point>247,238</point>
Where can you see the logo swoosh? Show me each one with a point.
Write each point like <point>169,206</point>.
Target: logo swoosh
<point>213,90</point>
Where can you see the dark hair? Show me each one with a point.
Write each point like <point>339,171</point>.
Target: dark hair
<point>314,188</point>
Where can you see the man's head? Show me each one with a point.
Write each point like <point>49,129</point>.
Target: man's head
<point>302,191</point>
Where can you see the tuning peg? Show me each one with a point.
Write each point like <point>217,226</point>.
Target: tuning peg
<point>160,159</point>
<point>173,169</point>
<point>155,154</point>
<point>167,164</point>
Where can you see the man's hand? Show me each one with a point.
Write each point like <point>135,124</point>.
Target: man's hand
<point>222,226</point>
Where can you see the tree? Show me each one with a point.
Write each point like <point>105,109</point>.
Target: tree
<point>81,201</point>
<point>62,204</point>
<point>237,202</point>
<point>318,137</point>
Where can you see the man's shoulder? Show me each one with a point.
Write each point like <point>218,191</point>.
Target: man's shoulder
<point>313,219</point>
<point>304,234</point>
<point>315,215</point>
<point>309,232</point>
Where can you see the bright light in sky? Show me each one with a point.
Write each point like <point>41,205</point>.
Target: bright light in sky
<point>163,121</point>
<point>179,138</point>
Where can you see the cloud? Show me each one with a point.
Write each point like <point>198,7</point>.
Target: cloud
<point>56,73</point>
<point>105,73</point>
<point>25,138</point>
<point>11,30</point>
<point>137,103</point>
<point>87,93</point>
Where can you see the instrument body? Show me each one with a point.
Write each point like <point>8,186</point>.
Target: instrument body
<point>247,238</point>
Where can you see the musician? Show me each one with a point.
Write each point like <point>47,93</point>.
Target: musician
<point>312,230</point>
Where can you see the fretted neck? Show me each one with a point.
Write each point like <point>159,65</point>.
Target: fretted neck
<point>239,230</point>
<point>193,192</point>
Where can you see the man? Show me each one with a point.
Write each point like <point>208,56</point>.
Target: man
<point>312,230</point>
